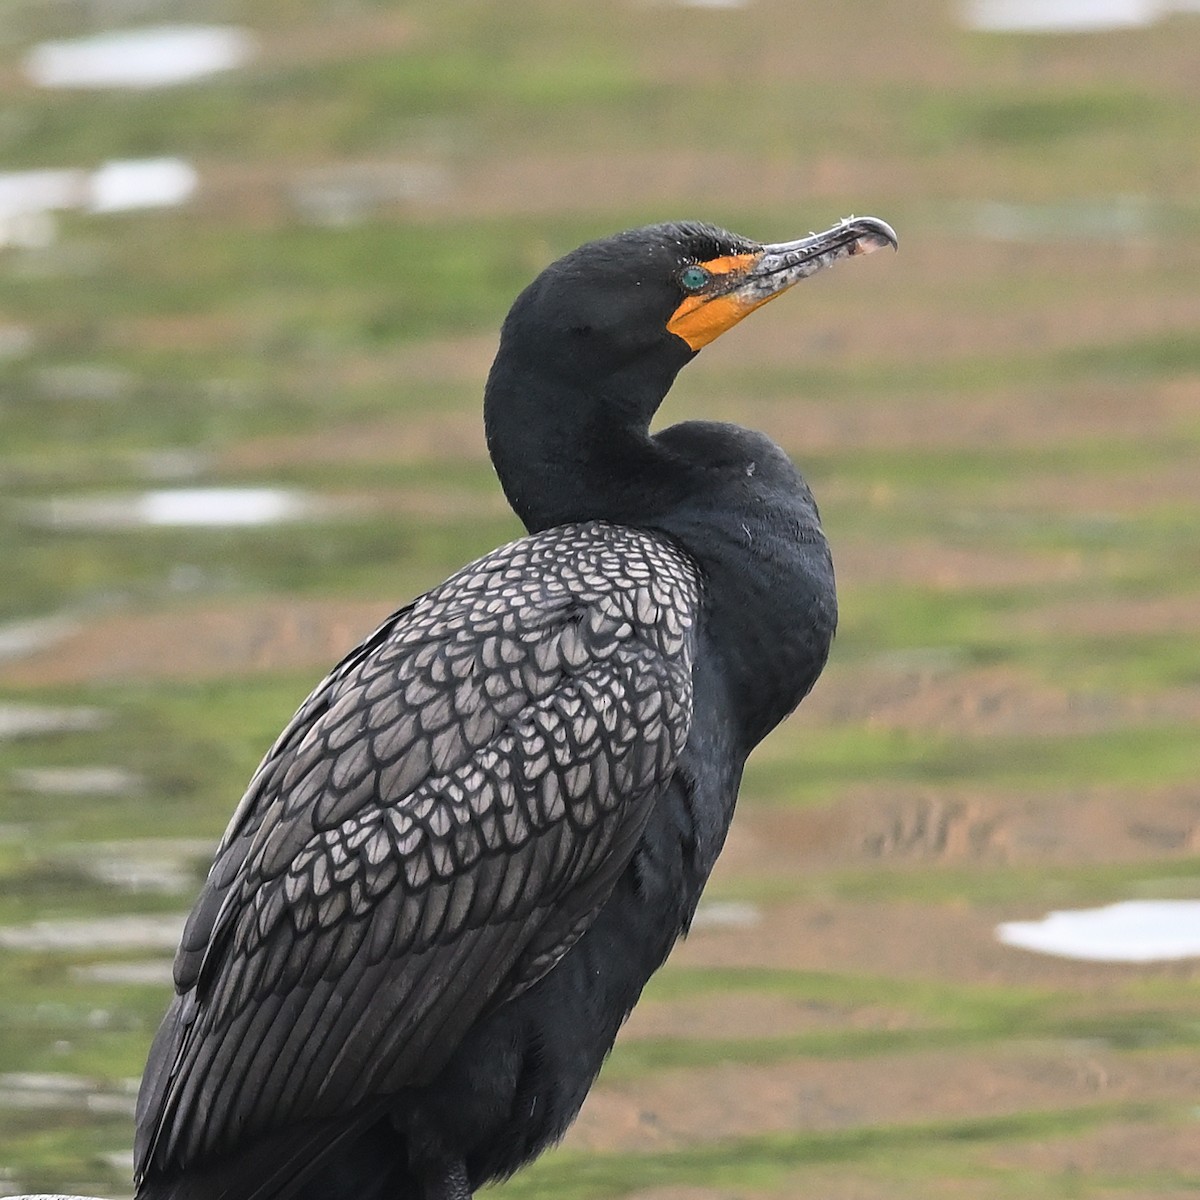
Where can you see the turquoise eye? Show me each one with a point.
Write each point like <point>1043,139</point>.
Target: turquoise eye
<point>694,278</point>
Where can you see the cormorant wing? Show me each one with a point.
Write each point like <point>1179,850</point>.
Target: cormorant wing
<point>430,834</point>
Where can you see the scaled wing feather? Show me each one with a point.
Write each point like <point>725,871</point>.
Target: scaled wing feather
<point>430,833</point>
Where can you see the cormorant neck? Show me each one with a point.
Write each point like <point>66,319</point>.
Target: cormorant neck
<point>570,451</point>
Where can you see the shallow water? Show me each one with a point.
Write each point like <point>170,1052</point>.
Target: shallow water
<point>36,720</point>
<point>1060,16</point>
<point>23,192</point>
<point>158,932</point>
<point>29,199</point>
<point>1067,16</point>
<point>1132,931</point>
<point>142,972</point>
<point>128,184</point>
<point>158,56</point>
<point>222,506</point>
<point>50,1090</point>
<point>216,507</point>
<point>726,914</point>
<point>165,865</point>
<point>76,781</point>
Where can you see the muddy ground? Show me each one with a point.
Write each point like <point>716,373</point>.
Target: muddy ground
<point>1002,430</point>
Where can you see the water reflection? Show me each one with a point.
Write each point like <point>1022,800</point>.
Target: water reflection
<point>161,931</point>
<point>40,191</point>
<point>127,184</point>
<point>726,914</point>
<point>142,972</point>
<point>159,56</point>
<point>1067,16</point>
<point>76,781</point>
<point>73,1093</point>
<point>37,720</point>
<point>216,507</point>
<point>28,199</point>
<point>1132,931</point>
<point>144,865</point>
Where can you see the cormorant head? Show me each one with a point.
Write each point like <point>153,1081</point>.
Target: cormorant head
<point>662,292</point>
<point>591,347</point>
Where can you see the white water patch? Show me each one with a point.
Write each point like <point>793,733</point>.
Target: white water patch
<point>40,191</point>
<point>1134,931</point>
<point>152,57</point>
<point>160,932</point>
<point>1068,16</point>
<point>76,781</point>
<point>125,185</point>
<point>36,720</point>
<point>61,1092</point>
<point>210,508</point>
<point>726,914</point>
<point>164,865</point>
<point>29,199</point>
<point>222,506</point>
<point>142,972</point>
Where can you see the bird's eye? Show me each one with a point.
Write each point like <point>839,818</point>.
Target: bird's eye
<point>694,278</point>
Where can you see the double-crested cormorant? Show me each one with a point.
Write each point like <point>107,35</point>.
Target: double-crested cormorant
<point>453,873</point>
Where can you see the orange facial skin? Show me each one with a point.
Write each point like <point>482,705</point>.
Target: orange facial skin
<point>737,284</point>
<point>702,318</point>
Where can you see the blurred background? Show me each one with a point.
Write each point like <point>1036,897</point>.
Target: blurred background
<point>253,258</point>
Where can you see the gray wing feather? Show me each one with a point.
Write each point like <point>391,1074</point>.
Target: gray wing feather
<point>429,834</point>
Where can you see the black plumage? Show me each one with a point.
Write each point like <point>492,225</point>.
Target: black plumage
<point>453,873</point>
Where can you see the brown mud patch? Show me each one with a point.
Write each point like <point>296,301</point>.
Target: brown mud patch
<point>926,827</point>
<point>952,942</point>
<point>685,183</point>
<point>355,34</point>
<point>403,440</point>
<point>924,562</point>
<point>236,639</point>
<point>1120,1148</point>
<point>675,1109</point>
<point>1127,616</point>
<point>985,702</point>
<point>464,359</point>
<point>1111,494</point>
<point>1029,419</point>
